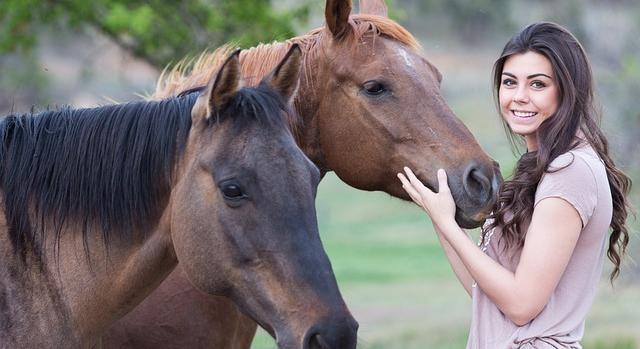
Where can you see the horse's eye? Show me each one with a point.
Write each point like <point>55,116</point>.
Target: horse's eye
<point>232,191</point>
<point>374,88</point>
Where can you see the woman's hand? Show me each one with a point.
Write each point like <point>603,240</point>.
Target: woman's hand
<point>439,206</point>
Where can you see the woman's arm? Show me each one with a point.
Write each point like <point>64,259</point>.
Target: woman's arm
<point>456,264</point>
<point>549,243</point>
<point>452,256</point>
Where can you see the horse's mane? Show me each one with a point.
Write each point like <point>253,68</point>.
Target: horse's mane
<point>260,60</point>
<point>105,170</point>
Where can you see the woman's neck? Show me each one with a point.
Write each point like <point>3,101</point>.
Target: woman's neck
<point>531,140</point>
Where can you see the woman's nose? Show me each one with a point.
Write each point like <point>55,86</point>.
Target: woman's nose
<point>521,96</point>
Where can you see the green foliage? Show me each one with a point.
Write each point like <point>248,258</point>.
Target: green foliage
<point>154,30</point>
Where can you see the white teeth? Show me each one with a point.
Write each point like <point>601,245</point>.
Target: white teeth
<point>523,114</point>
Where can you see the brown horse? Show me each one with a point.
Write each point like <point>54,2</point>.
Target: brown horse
<point>370,104</point>
<point>100,204</point>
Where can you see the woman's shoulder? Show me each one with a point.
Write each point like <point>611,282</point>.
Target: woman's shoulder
<point>571,172</point>
<point>577,176</point>
<point>582,161</point>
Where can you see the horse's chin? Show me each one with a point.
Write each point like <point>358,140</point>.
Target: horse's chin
<point>467,222</point>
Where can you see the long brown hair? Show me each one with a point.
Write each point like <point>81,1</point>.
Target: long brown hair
<point>556,135</point>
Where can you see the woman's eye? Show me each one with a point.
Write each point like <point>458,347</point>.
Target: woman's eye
<point>508,82</point>
<point>374,88</point>
<point>232,191</point>
<point>538,84</point>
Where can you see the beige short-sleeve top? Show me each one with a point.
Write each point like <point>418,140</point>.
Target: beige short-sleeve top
<point>582,181</point>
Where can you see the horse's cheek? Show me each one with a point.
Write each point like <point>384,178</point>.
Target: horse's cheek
<point>194,235</point>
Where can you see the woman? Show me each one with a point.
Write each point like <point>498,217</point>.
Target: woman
<point>535,275</point>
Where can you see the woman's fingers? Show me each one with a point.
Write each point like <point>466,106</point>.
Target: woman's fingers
<point>438,205</point>
<point>408,187</point>
<point>418,187</point>
<point>416,182</point>
<point>442,181</point>
<point>412,177</point>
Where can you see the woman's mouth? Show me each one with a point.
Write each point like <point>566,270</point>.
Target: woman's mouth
<point>523,114</point>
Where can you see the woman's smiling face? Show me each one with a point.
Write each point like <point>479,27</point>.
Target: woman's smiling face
<point>528,94</point>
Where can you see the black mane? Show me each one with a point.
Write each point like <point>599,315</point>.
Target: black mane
<point>107,169</point>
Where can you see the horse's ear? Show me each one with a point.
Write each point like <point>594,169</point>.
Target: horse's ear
<point>220,90</point>
<point>284,78</point>
<point>373,7</point>
<point>336,14</point>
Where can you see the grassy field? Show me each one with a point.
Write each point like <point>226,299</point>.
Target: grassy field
<point>399,287</point>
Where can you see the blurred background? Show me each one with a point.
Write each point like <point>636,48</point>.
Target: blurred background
<point>386,257</point>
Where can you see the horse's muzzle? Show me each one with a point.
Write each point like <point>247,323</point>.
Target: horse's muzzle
<point>480,189</point>
<point>332,334</point>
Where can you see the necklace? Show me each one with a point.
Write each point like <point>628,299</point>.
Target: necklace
<point>485,246</point>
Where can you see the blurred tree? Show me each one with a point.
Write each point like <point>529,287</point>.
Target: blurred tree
<point>154,30</point>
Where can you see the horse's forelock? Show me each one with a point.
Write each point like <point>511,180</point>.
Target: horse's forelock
<point>364,24</point>
<point>190,73</point>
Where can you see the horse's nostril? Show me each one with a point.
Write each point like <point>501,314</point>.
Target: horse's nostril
<point>332,333</point>
<point>317,342</point>
<point>476,184</point>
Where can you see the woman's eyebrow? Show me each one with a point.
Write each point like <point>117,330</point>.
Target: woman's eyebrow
<point>538,74</point>
<point>528,77</point>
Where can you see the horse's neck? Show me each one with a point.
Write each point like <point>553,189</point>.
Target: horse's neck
<point>65,301</point>
<point>307,135</point>
<point>119,280</point>
<point>33,312</point>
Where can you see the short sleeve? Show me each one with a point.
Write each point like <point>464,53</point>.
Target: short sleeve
<point>571,179</point>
